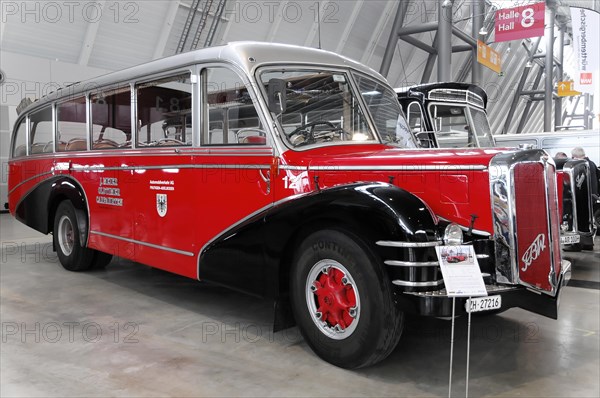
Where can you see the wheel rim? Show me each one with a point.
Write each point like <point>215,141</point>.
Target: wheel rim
<point>66,235</point>
<point>332,299</point>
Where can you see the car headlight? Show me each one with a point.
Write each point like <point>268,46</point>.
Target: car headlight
<point>453,235</point>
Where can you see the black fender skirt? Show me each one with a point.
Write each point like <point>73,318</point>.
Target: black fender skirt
<point>37,206</point>
<point>254,255</point>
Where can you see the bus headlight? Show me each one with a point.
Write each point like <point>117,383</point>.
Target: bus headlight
<point>453,235</point>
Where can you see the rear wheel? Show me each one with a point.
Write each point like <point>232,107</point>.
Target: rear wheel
<point>71,254</point>
<point>342,301</point>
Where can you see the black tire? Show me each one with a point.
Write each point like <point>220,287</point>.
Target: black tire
<point>71,254</point>
<point>101,259</point>
<point>375,327</point>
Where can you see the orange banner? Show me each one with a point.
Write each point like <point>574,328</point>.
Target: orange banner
<point>565,89</point>
<point>488,57</point>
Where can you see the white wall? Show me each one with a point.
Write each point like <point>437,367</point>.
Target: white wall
<point>33,77</point>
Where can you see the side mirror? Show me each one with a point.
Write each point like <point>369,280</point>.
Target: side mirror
<point>277,96</point>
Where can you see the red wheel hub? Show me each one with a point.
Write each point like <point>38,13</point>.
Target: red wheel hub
<point>336,298</point>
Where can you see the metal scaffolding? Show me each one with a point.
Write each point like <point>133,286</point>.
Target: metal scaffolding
<point>441,48</point>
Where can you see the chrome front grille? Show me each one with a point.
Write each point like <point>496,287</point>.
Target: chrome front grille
<point>525,215</point>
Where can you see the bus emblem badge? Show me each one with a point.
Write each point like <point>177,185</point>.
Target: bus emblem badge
<point>161,204</point>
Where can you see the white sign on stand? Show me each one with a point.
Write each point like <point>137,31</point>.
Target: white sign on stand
<point>462,278</point>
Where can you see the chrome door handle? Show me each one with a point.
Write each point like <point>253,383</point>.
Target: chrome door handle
<point>266,178</point>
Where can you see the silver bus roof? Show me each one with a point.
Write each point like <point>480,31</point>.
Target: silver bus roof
<point>246,55</point>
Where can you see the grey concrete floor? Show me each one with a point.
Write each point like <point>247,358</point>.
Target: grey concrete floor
<point>131,330</point>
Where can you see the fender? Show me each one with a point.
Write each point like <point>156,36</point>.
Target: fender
<point>51,192</point>
<point>261,248</point>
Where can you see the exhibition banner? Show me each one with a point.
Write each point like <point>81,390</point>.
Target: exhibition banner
<point>586,31</point>
<point>520,22</point>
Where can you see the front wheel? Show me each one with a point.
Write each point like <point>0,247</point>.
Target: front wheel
<point>343,301</point>
<point>71,253</point>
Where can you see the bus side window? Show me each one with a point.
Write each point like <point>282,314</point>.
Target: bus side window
<point>111,119</point>
<point>19,144</point>
<point>417,125</point>
<point>41,131</point>
<point>415,118</point>
<point>230,117</point>
<point>164,111</point>
<point>71,126</point>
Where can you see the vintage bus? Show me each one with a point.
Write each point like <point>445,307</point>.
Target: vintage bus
<point>453,115</point>
<point>288,173</point>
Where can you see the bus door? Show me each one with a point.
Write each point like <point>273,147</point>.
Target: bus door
<point>164,230</point>
<point>235,167</point>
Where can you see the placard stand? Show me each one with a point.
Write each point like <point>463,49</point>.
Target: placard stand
<point>452,350</point>
<point>462,278</point>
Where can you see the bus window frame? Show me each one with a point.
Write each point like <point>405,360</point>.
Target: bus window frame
<point>468,118</point>
<point>250,84</point>
<point>13,141</point>
<point>111,88</point>
<point>29,144</point>
<point>193,71</point>
<point>198,82</point>
<point>423,127</point>
<point>62,101</point>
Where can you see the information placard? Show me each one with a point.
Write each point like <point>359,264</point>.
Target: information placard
<point>460,271</point>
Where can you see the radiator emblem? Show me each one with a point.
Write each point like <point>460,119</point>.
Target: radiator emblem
<point>579,180</point>
<point>533,251</point>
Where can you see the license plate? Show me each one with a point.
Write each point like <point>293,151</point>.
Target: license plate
<point>569,239</point>
<point>483,303</point>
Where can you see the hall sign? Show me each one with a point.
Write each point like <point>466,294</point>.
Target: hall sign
<point>520,22</point>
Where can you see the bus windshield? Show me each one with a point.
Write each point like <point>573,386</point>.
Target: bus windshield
<point>321,108</point>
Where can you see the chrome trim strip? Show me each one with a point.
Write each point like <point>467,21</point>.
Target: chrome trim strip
<point>400,282</point>
<point>397,263</point>
<point>552,277</point>
<point>29,179</point>
<point>442,293</point>
<point>391,243</point>
<point>466,167</point>
<point>476,231</point>
<point>183,252</point>
<point>175,166</point>
<point>142,152</point>
<point>293,168</point>
<point>569,172</point>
